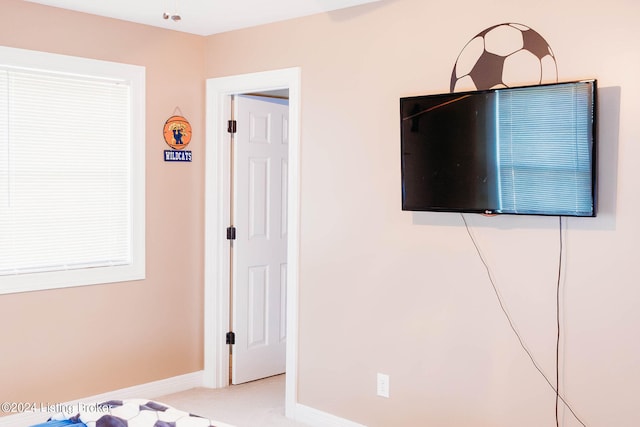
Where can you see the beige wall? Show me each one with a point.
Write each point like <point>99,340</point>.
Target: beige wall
<point>405,294</point>
<point>66,344</point>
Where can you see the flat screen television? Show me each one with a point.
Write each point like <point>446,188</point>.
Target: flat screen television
<point>523,150</point>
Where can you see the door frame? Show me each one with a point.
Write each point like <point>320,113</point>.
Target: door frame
<point>217,199</point>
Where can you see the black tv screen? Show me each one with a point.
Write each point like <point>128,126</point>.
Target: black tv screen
<point>525,150</point>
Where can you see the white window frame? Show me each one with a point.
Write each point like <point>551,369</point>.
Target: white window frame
<point>134,76</point>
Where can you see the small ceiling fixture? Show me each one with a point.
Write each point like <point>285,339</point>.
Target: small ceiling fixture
<point>175,16</point>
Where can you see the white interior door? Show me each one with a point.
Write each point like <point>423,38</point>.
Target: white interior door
<point>260,249</point>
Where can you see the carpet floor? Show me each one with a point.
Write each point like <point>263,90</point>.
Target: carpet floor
<point>255,404</point>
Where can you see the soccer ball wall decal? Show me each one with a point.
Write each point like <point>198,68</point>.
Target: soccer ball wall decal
<point>504,55</point>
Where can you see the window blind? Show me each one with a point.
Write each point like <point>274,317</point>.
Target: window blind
<point>64,172</point>
<point>537,130</point>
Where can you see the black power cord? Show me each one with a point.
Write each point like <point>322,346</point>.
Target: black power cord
<point>558,321</point>
<point>556,390</point>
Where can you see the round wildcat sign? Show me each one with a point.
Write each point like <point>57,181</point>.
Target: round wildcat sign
<point>177,132</point>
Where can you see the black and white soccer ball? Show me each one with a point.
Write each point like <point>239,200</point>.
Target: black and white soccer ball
<point>505,55</point>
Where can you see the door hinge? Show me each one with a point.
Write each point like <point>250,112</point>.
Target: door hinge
<point>231,338</point>
<point>231,233</point>
<point>232,126</point>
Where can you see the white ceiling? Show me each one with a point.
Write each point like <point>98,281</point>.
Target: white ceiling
<point>203,17</point>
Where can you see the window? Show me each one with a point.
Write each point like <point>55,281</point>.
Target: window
<point>71,171</point>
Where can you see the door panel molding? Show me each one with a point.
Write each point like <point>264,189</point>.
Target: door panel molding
<point>260,247</point>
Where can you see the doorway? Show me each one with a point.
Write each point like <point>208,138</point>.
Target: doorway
<point>217,219</point>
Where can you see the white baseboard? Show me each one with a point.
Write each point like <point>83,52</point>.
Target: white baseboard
<point>317,418</point>
<point>143,391</point>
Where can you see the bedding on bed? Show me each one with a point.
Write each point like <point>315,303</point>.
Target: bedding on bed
<point>128,413</point>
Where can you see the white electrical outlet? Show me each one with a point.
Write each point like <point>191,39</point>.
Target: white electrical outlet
<point>383,385</point>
